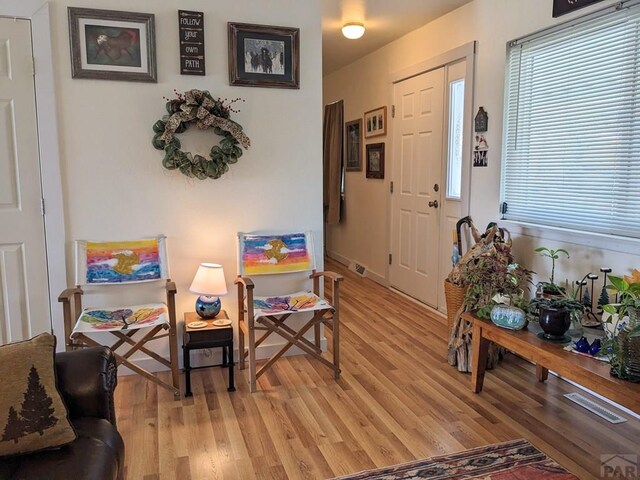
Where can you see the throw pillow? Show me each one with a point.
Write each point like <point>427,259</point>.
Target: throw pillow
<point>32,414</point>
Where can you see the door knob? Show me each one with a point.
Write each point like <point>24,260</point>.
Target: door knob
<point>434,204</point>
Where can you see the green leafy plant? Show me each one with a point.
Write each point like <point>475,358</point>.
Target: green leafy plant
<point>565,302</point>
<point>628,291</point>
<point>550,286</point>
<point>487,276</point>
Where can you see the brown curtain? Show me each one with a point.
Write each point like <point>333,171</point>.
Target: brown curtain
<point>332,160</point>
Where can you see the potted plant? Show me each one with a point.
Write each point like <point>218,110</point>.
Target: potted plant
<point>624,348</point>
<point>550,288</point>
<point>555,314</point>
<point>489,277</point>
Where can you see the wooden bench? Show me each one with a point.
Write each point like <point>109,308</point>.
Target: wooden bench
<point>588,372</point>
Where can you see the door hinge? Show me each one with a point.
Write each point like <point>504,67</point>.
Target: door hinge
<point>393,111</point>
<point>42,206</point>
<point>390,259</point>
<point>390,187</point>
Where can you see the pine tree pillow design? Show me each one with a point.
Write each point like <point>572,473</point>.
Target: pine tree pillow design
<point>32,414</point>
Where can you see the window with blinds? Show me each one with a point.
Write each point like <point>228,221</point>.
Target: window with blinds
<point>571,154</point>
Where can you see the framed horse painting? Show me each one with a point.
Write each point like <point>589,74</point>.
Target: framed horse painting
<point>112,45</point>
<point>264,56</point>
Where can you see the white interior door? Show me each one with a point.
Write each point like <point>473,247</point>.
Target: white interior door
<point>417,192</point>
<point>24,297</point>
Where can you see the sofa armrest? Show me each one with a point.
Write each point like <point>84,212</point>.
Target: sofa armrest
<point>86,380</point>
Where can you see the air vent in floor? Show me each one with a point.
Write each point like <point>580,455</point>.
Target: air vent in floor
<point>359,268</point>
<point>593,407</point>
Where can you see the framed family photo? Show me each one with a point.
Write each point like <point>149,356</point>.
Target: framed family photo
<point>375,122</point>
<point>112,45</point>
<point>561,7</point>
<point>353,145</point>
<point>375,160</point>
<point>264,56</point>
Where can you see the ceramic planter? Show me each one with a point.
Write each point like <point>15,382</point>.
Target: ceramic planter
<point>554,322</point>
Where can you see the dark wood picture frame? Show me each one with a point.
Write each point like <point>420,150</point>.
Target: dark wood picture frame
<point>279,68</point>
<point>375,160</point>
<point>375,122</point>
<point>353,145</point>
<point>562,7</point>
<point>113,52</point>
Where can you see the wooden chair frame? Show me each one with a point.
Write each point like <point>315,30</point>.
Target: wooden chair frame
<point>248,325</point>
<point>71,300</point>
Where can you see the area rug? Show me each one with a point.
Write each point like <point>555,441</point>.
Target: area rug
<point>515,460</point>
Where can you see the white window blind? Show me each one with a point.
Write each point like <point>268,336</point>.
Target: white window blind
<point>571,155</point>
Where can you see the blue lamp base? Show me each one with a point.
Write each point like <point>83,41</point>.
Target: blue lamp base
<point>208,306</point>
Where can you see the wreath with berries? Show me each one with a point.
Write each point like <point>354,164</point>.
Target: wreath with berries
<point>199,108</point>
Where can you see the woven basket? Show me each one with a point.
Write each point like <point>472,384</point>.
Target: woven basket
<point>454,296</point>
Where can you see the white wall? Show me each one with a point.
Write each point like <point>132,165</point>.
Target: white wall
<point>365,85</point>
<point>114,184</point>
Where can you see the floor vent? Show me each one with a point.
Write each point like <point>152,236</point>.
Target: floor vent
<point>359,269</point>
<point>593,407</point>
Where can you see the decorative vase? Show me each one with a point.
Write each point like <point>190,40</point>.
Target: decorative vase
<point>555,323</point>
<point>629,367</point>
<point>509,317</point>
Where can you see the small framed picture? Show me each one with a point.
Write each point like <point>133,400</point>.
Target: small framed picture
<point>561,7</point>
<point>375,122</point>
<point>112,45</point>
<point>353,145</point>
<point>375,160</point>
<point>264,56</point>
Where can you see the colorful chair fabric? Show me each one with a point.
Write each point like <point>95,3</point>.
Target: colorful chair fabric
<point>276,254</point>
<point>105,264</point>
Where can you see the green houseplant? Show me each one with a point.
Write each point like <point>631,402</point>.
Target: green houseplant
<point>550,287</point>
<point>555,314</point>
<point>624,348</point>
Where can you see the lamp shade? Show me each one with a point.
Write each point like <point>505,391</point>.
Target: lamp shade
<point>353,30</point>
<point>209,280</point>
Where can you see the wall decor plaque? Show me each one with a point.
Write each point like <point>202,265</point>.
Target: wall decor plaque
<point>191,31</point>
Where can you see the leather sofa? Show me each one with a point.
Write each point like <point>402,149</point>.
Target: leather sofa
<point>86,379</point>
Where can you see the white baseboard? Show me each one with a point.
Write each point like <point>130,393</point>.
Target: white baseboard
<point>212,356</point>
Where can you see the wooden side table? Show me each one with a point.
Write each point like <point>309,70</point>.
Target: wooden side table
<point>211,336</point>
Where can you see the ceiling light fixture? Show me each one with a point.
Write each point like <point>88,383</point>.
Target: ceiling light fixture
<point>353,30</point>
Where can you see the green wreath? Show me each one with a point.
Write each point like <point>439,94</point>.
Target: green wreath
<point>198,107</point>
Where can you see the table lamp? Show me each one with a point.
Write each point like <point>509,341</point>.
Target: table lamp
<point>209,283</point>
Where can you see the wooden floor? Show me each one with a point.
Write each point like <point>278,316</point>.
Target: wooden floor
<point>397,400</point>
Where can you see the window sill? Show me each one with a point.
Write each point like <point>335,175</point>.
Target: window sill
<point>593,240</point>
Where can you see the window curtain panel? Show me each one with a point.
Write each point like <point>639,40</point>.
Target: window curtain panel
<point>332,160</point>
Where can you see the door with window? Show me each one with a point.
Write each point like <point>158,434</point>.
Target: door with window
<point>24,297</point>
<point>417,174</point>
<point>428,171</point>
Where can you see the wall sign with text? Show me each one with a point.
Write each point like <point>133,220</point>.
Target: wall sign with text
<point>560,7</point>
<point>191,29</point>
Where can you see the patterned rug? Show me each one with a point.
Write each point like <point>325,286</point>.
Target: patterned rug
<point>515,460</point>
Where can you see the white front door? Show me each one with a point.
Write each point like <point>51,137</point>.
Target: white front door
<point>24,297</point>
<point>417,189</point>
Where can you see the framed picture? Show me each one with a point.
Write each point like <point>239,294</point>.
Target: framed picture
<point>560,7</point>
<point>353,145</point>
<point>264,56</point>
<point>375,122</point>
<point>375,160</point>
<point>112,45</point>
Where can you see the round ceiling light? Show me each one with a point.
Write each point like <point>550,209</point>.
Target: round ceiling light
<point>353,30</point>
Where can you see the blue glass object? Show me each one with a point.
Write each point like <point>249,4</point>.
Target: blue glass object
<point>506,316</point>
<point>595,347</point>
<point>208,306</point>
<point>582,345</point>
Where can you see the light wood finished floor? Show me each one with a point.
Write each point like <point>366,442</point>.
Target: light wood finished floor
<point>397,400</point>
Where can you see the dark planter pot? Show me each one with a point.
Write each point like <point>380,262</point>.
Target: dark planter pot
<point>554,322</point>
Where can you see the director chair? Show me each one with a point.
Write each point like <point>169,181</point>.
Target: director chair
<point>268,255</point>
<point>103,265</point>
